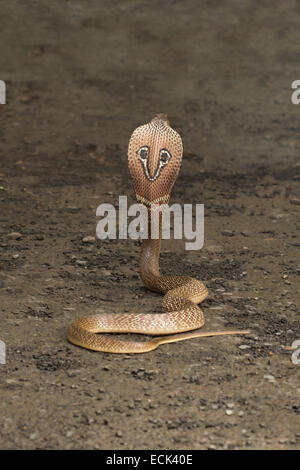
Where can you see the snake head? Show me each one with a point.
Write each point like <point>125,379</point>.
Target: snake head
<point>154,159</point>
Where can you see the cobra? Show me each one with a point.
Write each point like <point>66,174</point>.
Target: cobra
<point>154,159</point>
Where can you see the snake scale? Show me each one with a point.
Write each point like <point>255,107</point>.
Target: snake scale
<point>154,159</point>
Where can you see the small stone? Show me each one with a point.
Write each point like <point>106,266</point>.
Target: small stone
<point>229,412</point>
<point>217,307</point>
<point>244,346</point>
<point>279,216</point>
<point>73,209</point>
<point>270,378</point>
<point>119,434</point>
<point>295,201</point>
<point>81,262</point>
<point>214,248</point>
<point>230,405</point>
<point>15,235</point>
<point>89,239</point>
<point>245,233</point>
<point>16,256</point>
<point>11,381</point>
<point>228,233</point>
<point>106,272</point>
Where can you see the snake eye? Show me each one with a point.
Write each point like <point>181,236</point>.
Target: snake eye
<point>164,156</point>
<point>143,152</point>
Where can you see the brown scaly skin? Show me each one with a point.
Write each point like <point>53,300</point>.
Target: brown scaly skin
<point>154,159</point>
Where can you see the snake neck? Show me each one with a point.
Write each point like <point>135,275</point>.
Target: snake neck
<point>149,261</point>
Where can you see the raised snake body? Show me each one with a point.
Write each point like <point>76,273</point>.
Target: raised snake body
<point>154,159</point>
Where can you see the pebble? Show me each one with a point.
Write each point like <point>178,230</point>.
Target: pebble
<point>89,239</point>
<point>230,405</point>
<point>279,216</point>
<point>217,307</point>
<point>80,262</point>
<point>229,412</point>
<point>106,272</point>
<point>73,209</point>
<point>214,248</point>
<point>295,201</point>
<point>270,378</point>
<point>11,381</point>
<point>244,346</point>
<point>228,233</point>
<point>15,235</point>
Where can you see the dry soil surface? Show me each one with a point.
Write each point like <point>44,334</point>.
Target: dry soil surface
<point>80,77</point>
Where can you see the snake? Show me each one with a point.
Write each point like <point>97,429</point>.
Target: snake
<point>155,153</point>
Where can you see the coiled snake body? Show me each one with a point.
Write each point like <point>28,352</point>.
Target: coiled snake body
<point>154,159</point>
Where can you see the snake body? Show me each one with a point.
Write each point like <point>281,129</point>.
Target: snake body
<point>154,159</point>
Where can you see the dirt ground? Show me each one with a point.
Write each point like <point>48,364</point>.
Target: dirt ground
<point>80,76</point>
